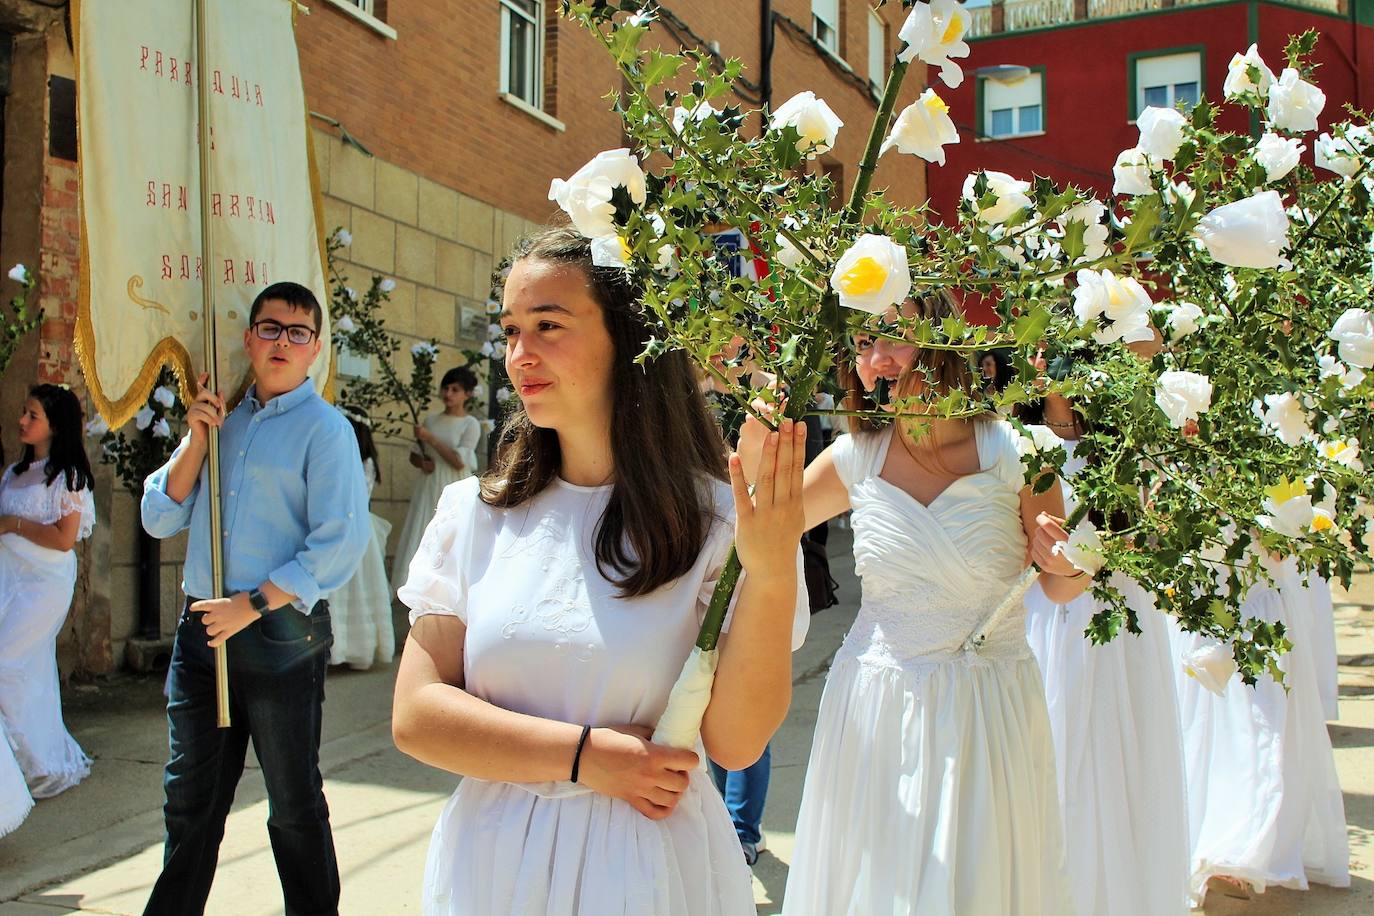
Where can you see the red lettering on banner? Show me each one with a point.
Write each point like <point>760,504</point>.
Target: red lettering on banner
<point>175,78</point>
<point>216,205</point>
<point>166,196</point>
<point>228,271</point>
<point>157,63</point>
<point>189,68</point>
<point>185,267</point>
<point>234,87</point>
<point>257,90</point>
<point>234,205</point>
<point>271,217</point>
<point>143,58</point>
<point>217,84</point>
<point>166,267</point>
<point>249,273</point>
<point>183,199</point>
<point>152,194</point>
<point>252,214</point>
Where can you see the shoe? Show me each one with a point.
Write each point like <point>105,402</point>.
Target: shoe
<point>752,850</point>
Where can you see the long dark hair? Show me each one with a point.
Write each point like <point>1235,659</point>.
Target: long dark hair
<point>665,443</point>
<point>66,454</point>
<point>367,448</point>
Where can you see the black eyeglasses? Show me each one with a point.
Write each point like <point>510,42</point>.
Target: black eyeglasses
<point>298,334</point>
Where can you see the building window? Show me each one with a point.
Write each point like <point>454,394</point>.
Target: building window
<point>1165,80</point>
<point>365,6</point>
<point>522,50</point>
<point>1013,108</point>
<point>877,49</point>
<point>825,24</point>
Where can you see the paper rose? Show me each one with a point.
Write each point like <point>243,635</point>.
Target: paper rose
<point>1012,196</point>
<point>1278,155</point>
<point>1345,452</point>
<point>345,237</point>
<point>144,418</point>
<point>1083,548</point>
<point>1119,305</point>
<point>586,196</point>
<point>1248,233</point>
<point>503,395</point>
<point>934,32</point>
<point>479,390</point>
<point>1294,103</point>
<point>610,251</point>
<point>1037,438</point>
<point>1330,367</point>
<point>351,293</point>
<point>1131,173</point>
<point>1282,415</point>
<point>872,275</point>
<point>1211,666</point>
<point>1182,320</point>
<point>162,429</point>
<point>1183,396</point>
<point>702,112</point>
<point>1091,214</point>
<point>1342,154</point>
<point>813,120</point>
<point>1354,336</point>
<point>96,426</point>
<point>1238,76</point>
<point>922,129</point>
<point>345,324</point>
<point>1161,132</point>
<point>424,350</point>
<point>19,273</point>
<point>387,286</point>
<point>1289,508</point>
<point>164,396</point>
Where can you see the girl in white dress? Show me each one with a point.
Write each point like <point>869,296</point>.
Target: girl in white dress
<point>45,508</point>
<point>361,610</point>
<point>931,785</point>
<point>1118,749</point>
<point>554,601</point>
<point>449,439</point>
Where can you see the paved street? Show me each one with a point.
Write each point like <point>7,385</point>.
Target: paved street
<point>97,848</point>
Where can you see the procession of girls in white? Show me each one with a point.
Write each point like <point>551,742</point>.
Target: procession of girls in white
<point>554,596</point>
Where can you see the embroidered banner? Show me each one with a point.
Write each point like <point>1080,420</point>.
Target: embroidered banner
<point>137,92</point>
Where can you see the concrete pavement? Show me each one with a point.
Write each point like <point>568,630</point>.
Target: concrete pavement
<point>97,848</point>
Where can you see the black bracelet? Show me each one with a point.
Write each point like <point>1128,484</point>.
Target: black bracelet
<point>577,758</point>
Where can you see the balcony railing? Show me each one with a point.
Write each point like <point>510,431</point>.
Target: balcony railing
<point>1020,15</point>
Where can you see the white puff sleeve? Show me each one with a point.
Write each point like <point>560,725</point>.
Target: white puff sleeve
<point>438,579</point>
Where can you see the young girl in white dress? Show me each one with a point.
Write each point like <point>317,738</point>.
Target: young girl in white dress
<point>45,508</point>
<point>361,610</point>
<point>930,788</point>
<point>554,601</point>
<point>449,439</point>
<point>1118,748</point>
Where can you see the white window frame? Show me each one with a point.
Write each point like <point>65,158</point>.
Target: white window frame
<point>364,6</point>
<point>877,49</point>
<point>826,13</point>
<point>1169,71</point>
<point>999,95</point>
<point>535,71</point>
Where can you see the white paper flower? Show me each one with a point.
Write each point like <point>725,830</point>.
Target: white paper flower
<point>1354,336</point>
<point>813,120</point>
<point>162,429</point>
<point>1238,79</point>
<point>872,275</point>
<point>489,426</point>
<point>1012,196</point>
<point>345,237</point>
<point>1342,154</point>
<point>1182,320</point>
<point>1041,438</point>
<point>97,427</point>
<point>1294,103</point>
<point>1278,155</point>
<point>610,251</point>
<point>479,390</point>
<point>1131,173</point>
<point>164,396</point>
<point>345,325</point>
<point>1282,415</point>
<point>388,285</point>
<point>1083,548</point>
<point>1183,396</point>
<point>503,395</point>
<point>1091,213</point>
<point>1211,665</point>
<point>487,349</point>
<point>144,418</point>
<point>19,273</point>
<point>495,332</point>
<point>1248,233</point>
<point>1345,452</point>
<point>1289,508</point>
<point>702,112</point>
<point>934,32</point>
<point>500,347</point>
<point>424,350</point>
<point>922,129</point>
<point>1329,366</point>
<point>586,196</point>
<point>1161,132</point>
<point>1119,305</point>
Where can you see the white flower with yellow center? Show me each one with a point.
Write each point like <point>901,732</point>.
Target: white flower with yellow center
<point>611,251</point>
<point>1119,305</point>
<point>1294,103</point>
<point>1289,508</point>
<point>586,196</point>
<point>923,128</point>
<point>1212,666</point>
<point>1240,78</point>
<point>1248,233</point>
<point>1345,452</point>
<point>934,32</point>
<point>1131,173</point>
<point>1012,196</point>
<point>1183,396</point>
<point>813,120</point>
<point>1282,415</point>
<point>873,275</point>
<point>1161,132</point>
<point>1354,335</point>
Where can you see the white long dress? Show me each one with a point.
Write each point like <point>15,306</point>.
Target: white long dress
<point>15,800</point>
<point>931,784</point>
<point>1118,752</point>
<point>460,434</point>
<point>36,586</point>
<point>361,610</point>
<point>1264,801</point>
<point>546,636</point>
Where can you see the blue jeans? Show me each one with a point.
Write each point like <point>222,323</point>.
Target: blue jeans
<point>276,697</point>
<point>745,792</point>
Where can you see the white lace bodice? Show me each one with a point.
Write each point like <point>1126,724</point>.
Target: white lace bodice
<point>931,574</point>
<point>29,497</point>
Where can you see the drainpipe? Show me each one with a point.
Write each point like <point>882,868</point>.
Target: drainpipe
<point>766,53</point>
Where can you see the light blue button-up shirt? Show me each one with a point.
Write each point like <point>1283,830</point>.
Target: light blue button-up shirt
<point>294,500</point>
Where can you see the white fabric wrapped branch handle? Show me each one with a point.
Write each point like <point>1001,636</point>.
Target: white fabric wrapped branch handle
<point>680,724</point>
<point>1014,596</point>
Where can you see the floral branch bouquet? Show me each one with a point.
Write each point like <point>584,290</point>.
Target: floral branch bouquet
<point>17,320</point>
<point>487,362</point>
<point>136,454</point>
<point>359,328</point>
<point>1207,322</point>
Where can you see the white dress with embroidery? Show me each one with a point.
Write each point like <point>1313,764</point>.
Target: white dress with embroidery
<point>361,610</point>
<point>460,434</point>
<point>931,785</point>
<point>1118,751</point>
<point>36,586</point>
<point>547,636</point>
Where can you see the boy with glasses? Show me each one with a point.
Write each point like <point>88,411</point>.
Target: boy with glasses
<point>295,519</point>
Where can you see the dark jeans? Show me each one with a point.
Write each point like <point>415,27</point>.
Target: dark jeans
<point>745,792</point>
<point>276,695</point>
